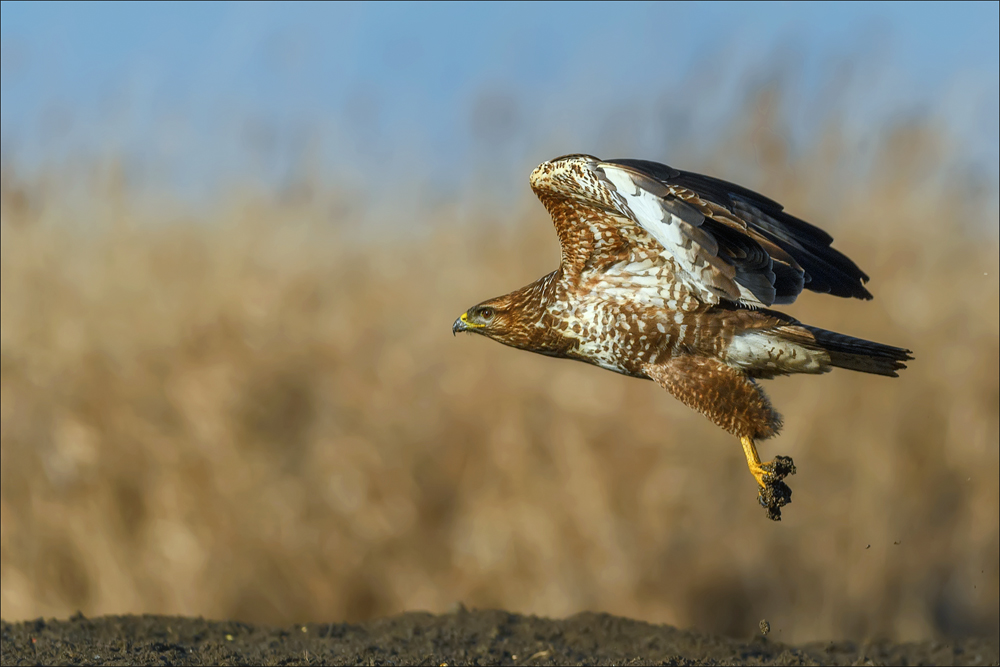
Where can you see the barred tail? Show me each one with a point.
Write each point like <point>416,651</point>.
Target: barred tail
<point>857,354</point>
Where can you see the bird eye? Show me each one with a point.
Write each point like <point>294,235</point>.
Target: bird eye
<point>486,313</point>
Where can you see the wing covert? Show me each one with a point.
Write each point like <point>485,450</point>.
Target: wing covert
<point>659,246</point>
<point>716,240</point>
<point>802,254</point>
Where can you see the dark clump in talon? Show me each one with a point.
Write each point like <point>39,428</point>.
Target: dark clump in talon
<point>775,494</point>
<point>783,466</point>
<point>773,497</point>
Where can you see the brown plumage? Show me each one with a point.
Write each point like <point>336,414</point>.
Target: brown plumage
<point>668,275</point>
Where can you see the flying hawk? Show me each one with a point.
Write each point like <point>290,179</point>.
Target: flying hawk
<point>669,275</point>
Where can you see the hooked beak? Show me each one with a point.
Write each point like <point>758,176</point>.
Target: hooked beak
<point>461,324</point>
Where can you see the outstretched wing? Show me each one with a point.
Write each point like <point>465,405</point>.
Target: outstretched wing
<point>633,221</point>
<point>801,246</point>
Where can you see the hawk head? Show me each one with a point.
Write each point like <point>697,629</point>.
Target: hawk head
<point>493,318</point>
<point>515,319</point>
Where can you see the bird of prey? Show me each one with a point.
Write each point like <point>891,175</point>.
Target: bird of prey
<point>669,275</point>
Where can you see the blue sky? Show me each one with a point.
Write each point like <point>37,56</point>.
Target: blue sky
<point>202,94</point>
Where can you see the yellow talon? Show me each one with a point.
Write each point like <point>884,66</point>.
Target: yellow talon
<point>753,460</point>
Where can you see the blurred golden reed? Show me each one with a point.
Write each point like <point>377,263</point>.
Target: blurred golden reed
<point>262,415</point>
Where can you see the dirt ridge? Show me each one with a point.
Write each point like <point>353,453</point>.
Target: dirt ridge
<point>463,637</point>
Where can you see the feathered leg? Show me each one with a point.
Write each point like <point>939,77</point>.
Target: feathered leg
<point>734,402</point>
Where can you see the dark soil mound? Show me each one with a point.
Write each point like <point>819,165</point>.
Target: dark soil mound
<point>477,637</point>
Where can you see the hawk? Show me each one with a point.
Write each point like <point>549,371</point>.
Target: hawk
<point>669,275</point>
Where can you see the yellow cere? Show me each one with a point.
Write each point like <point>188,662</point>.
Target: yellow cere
<point>471,325</point>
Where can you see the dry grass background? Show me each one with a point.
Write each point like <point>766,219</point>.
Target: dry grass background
<point>261,414</point>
